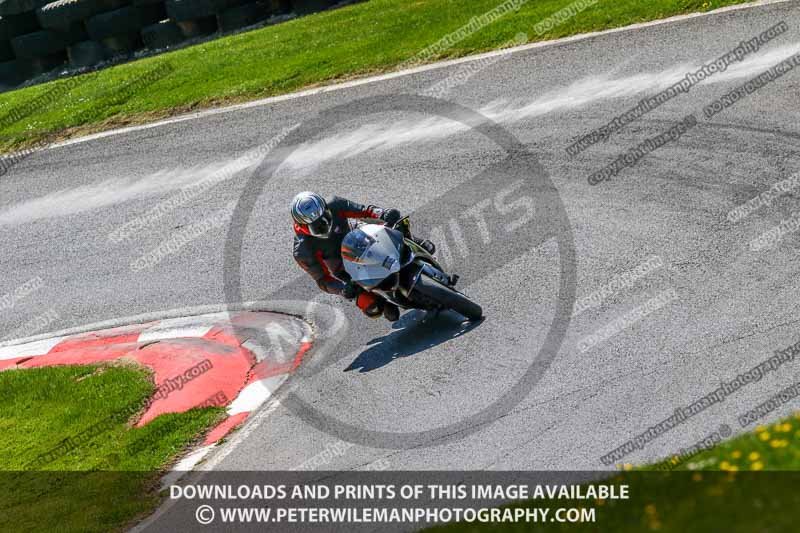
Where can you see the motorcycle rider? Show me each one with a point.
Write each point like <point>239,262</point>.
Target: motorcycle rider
<point>320,227</point>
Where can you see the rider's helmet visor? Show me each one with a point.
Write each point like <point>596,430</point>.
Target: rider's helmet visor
<point>321,227</point>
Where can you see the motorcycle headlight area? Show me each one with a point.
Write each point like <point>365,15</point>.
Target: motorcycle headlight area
<point>370,254</point>
<point>356,244</point>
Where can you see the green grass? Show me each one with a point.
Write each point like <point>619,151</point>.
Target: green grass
<point>357,40</point>
<point>105,481</point>
<point>744,484</point>
<point>775,447</point>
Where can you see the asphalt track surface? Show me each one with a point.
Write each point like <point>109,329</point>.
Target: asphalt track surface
<point>733,306</point>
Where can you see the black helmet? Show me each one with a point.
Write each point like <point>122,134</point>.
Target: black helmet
<point>311,210</point>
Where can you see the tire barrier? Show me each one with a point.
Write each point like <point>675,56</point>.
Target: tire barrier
<point>6,52</point>
<point>13,25</point>
<point>58,14</point>
<point>198,27</point>
<point>46,42</point>
<point>16,7</point>
<point>162,34</point>
<point>86,54</point>
<point>42,64</point>
<point>304,7</point>
<point>12,73</point>
<point>37,36</point>
<point>121,43</point>
<point>186,10</point>
<point>123,21</point>
<point>242,16</point>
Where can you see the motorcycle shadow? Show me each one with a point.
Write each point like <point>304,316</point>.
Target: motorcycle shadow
<point>415,332</point>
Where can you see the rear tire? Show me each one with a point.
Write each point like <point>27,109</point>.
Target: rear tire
<point>448,298</point>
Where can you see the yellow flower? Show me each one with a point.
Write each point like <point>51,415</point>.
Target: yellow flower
<point>724,465</point>
<point>758,465</point>
<point>697,476</point>
<point>761,429</point>
<point>627,466</point>
<point>786,427</point>
<point>764,436</point>
<point>754,456</point>
<point>736,454</point>
<point>655,525</point>
<point>650,508</point>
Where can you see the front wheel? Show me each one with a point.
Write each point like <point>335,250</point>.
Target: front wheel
<point>448,298</point>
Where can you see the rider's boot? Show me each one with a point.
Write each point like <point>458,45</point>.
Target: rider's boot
<point>391,312</point>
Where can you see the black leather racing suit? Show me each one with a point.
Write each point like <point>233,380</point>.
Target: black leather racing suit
<point>322,258</point>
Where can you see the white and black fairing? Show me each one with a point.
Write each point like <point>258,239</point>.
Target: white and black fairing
<point>381,259</point>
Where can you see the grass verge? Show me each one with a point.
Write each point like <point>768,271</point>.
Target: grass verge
<point>105,476</point>
<point>741,485</point>
<point>357,40</point>
<point>771,448</point>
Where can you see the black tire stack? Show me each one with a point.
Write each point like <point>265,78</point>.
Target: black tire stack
<point>16,18</point>
<point>70,15</point>
<point>304,7</point>
<point>37,36</point>
<point>196,18</point>
<point>162,34</point>
<point>118,30</point>
<point>236,17</point>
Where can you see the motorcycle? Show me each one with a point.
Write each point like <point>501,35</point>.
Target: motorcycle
<point>384,260</point>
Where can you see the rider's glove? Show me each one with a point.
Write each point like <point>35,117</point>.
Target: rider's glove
<point>391,216</point>
<point>350,290</point>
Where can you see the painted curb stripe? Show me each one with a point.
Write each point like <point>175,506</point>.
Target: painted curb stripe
<point>216,434</point>
<point>29,350</point>
<point>194,358</point>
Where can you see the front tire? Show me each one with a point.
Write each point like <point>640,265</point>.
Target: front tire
<point>448,298</point>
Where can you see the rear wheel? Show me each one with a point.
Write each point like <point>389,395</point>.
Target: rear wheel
<point>448,298</point>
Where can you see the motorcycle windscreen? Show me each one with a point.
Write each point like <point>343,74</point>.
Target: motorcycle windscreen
<point>370,255</point>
